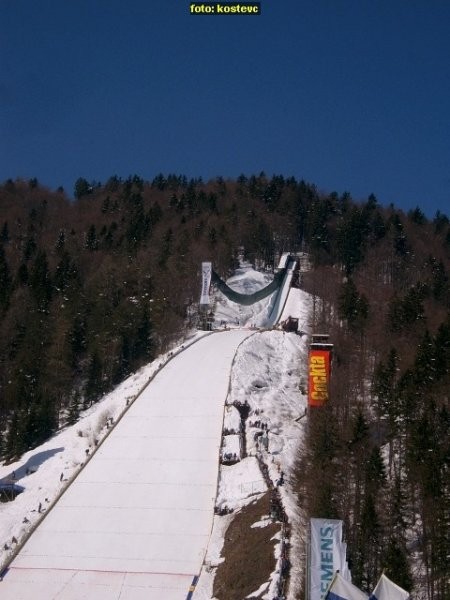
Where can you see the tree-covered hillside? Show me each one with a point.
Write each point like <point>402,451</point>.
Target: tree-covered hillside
<point>94,287</point>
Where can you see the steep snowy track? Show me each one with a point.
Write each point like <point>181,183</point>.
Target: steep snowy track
<point>135,523</point>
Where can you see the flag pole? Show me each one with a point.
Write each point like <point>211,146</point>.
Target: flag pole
<point>330,584</point>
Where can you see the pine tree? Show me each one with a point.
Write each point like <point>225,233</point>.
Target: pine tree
<point>384,392</point>
<point>77,338</point>
<point>407,311</point>
<point>353,307</point>
<point>358,449</point>
<point>94,384</point>
<point>45,421</point>
<point>40,281</point>
<point>425,362</point>
<point>73,413</point>
<point>440,282</point>
<point>5,281</point>
<point>395,564</point>
<point>143,347</point>
<point>4,235</point>
<point>22,274</point>
<point>350,239</point>
<point>417,216</point>
<point>82,188</point>
<point>369,547</point>
<point>14,444</point>
<point>91,242</point>
<point>321,472</point>
<point>397,520</point>
<point>61,241</point>
<point>65,271</point>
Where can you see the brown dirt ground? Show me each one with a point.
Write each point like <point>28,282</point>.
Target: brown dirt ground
<point>249,553</point>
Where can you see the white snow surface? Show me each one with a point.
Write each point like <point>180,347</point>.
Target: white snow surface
<point>118,524</point>
<point>232,420</point>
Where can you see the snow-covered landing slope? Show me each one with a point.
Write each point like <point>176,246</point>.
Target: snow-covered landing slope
<point>136,522</point>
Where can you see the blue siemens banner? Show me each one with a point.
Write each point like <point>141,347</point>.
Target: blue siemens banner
<point>327,555</point>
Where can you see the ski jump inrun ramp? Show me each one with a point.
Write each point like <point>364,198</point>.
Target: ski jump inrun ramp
<point>135,523</point>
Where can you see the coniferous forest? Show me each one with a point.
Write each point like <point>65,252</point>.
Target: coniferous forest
<point>92,288</point>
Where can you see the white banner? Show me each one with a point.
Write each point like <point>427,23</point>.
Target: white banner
<point>341,589</point>
<point>206,282</point>
<point>388,590</point>
<point>325,557</point>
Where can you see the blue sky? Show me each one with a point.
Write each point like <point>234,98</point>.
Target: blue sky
<point>351,95</point>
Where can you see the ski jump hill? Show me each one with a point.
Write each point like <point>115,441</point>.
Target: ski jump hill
<point>136,521</point>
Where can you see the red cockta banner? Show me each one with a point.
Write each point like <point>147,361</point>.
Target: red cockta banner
<point>319,377</point>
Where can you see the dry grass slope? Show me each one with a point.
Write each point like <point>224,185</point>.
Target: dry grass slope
<point>248,552</point>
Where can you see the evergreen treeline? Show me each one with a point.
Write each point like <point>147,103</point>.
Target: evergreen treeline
<point>93,288</point>
<point>378,455</point>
